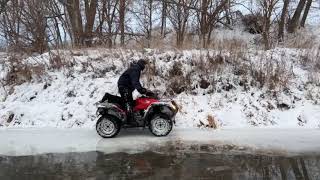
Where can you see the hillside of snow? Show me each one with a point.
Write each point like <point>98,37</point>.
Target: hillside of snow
<point>278,88</point>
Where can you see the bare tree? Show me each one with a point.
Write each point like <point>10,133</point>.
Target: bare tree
<point>179,13</point>
<point>294,21</point>
<point>3,4</point>
<point>164,18</point>
<point>122,11</point>
<point>204,21</point>
<point>149,20</point>
<point>90,11</point>
<point>81,36</point>
<point>143,12</point>
<point>75,18</point>
<point>57,23</point>
<point>209,16</point>
<point>305,14</point>
<point>11,24</point>
<point>283,19</point>
<point>267,9</point>
<point>34,19</point>
<point>208,13</point>
<point>108,14</point>
<point>227,10</point>
<point>24,24</point>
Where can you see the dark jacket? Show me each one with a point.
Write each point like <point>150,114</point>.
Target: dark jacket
<point>130,78</point>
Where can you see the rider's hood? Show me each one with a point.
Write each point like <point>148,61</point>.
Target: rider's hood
<point>141,64</point>
<point>138,65</point>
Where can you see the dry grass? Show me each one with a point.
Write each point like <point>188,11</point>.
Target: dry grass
<point>302,39</point>
<point>230,44</point>
<point>272,73</point>
<point>206,69</point>
<point>311,62</point>
<point>212,122</point>
<point>20,72</point>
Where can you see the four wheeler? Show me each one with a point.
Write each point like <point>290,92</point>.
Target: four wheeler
<point>149,111</point>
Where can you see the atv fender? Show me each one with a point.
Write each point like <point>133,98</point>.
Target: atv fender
<point>160,108</point>
<point>112,110</point>
<point>120,116</point>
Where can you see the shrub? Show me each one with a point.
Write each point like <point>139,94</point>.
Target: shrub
<point>176,69</point>
<point>21,72</point>
<point>58,61</point>
<point>272,73</point>
<point>253,23</point>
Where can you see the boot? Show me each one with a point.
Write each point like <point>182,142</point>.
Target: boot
<point>130,117</point>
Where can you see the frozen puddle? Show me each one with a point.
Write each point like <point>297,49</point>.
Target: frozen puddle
<point>21,142</point>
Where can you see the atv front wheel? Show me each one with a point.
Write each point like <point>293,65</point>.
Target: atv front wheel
<point>160,125</point>
<point>107,127</point>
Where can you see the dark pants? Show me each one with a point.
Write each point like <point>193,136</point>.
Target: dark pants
<point>126,96</point>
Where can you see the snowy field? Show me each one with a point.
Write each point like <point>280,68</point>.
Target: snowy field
<point>271,141</point>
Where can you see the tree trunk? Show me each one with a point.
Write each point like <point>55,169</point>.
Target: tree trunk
<point>294,22</point>
<point>90,11</point>
<point>283,19</point>
<point>180,37</point>
<point>305,14</point>
<point>267,7</point>
<point>122,8</point>
<point>59,38</point>
<point>163,19</point>
<point>266,29</point>
<point>208,41</point>
<point>203,22</point>
<point>227,11</point>
<point>110,14</point>
<point>150,24</point>
<point>73,8</point>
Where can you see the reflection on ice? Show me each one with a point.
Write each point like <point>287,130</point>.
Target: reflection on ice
<point>172,164</point>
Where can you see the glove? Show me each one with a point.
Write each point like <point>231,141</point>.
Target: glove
<point>150,93</point>
<point>143,91</point>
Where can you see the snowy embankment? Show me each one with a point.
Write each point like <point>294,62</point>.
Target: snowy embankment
<point>213,88</point>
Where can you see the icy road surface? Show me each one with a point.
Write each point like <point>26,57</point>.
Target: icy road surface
<point>18,142</point>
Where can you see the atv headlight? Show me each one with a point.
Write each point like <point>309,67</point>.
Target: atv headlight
<point>174,106</point>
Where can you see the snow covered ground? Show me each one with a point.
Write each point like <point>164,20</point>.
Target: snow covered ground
<point>65,97</point>
<point>272,141</point>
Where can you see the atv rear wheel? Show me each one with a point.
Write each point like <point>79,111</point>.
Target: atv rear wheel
<point>107,126</point>
<point>160,125</point>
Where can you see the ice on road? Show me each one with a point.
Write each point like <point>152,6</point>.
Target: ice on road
<point>18,142</point>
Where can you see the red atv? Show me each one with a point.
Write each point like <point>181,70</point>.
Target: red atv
<point>150,112</point>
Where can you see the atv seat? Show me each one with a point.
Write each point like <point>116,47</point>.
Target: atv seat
<point>115,100</point>
<point>112,99</point>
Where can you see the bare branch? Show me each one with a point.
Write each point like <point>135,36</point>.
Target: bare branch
<point>3,5</point>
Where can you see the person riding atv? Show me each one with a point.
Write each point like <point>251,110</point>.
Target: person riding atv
<point>149,110</point>
<point>130,81</point>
